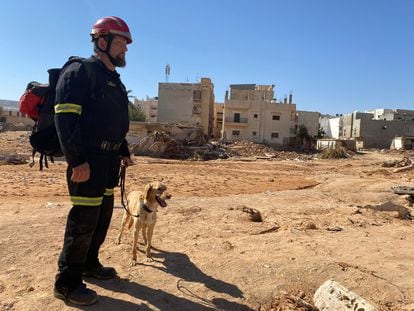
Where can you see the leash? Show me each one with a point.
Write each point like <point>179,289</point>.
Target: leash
<point>124,200</point>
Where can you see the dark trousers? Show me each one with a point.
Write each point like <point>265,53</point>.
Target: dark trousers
<point>85,232</point>
<point>87,225</point>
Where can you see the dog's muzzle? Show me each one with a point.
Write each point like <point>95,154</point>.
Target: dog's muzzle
<point>161,201</point>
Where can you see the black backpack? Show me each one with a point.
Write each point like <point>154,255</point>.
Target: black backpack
<point>44,138</point>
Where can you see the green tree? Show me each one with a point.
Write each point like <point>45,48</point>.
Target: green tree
<point>303,134</point>
<point>321,132</point>
<point>135,113</point>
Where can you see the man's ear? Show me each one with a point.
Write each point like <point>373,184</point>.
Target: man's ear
<point>102,44</point>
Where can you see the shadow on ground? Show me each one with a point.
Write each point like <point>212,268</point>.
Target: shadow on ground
<point>179,265</point>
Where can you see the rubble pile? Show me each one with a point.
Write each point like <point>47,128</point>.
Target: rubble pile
<point>338,152</point>
<point>160,145</point>
<point>194,138</point>
<point>397,163</point>
<point>245,148</point>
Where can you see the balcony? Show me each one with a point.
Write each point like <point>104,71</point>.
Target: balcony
<point>231,121</point>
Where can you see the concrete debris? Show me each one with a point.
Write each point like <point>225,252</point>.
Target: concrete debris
<point>161,145</point>
<point>397,163</point>
<point>403,190</point>
<point>243,148</point>
<point>172,143</point>
<point>195,138</point>
<point>338,152</point>
<point>254,214</point>
<point>332,296</point>
<point>284,301</point>
<point>334,229</point>
<point>14,159</point>
<point>403,212</point>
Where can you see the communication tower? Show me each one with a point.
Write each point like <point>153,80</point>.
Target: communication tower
<point>167,72</point>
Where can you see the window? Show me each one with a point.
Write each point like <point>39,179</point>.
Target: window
<point>235,133</point>
<point>255,116</point>
<point>274,135</point>
<point>196,95</point>
<point>254,133</point>
<point>237,118</point>
<point>275,117</point>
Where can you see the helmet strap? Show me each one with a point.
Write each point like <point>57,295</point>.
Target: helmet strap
<point>110,37</point>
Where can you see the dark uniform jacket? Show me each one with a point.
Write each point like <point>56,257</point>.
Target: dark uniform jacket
<point>91,111</point>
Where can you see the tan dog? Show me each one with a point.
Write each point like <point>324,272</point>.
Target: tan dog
<point>145,206</point>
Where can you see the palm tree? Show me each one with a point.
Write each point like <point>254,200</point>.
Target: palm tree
<point>135,112</point>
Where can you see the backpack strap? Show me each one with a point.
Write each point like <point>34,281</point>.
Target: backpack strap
<point>89,65</point>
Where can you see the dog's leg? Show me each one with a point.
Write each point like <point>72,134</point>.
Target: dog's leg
<point>144,234</point>
<point>125,220</point>
<point>135,243</point>
<point>150,231</point>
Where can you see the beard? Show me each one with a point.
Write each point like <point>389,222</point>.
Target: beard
<point>119,60</point>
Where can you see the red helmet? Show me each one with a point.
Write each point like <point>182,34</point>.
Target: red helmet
<point>111,25</point>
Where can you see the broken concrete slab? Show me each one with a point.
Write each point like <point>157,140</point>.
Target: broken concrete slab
<point>332,296</point>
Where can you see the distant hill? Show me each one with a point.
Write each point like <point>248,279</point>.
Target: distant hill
<point>9,104</point>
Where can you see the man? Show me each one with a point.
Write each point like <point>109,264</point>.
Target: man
<point>91,116</point>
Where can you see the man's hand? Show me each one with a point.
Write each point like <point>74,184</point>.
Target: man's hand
<point>81,173</point>
<point>126,161</point>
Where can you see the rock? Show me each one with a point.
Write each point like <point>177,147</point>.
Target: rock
<point>332,296</point>
<point>16,159</point>
<point>311,226</point>
<point>254,214</point>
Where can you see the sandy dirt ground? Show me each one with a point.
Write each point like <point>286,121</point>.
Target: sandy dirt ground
<point>322,219</point>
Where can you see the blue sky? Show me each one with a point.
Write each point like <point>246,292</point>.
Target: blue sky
<point>334,56</point>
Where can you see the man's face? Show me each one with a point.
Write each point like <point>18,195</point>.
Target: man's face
<point>118,50</point>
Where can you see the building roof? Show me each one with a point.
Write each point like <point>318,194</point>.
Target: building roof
<point>243,86</point>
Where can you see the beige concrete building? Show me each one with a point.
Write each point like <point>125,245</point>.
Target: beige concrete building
<point>252,113</point>
<point>150,108</point>
<point>309,119</point>
<point>187,103</point>
<point>218,119</point>
<point>379,132</point>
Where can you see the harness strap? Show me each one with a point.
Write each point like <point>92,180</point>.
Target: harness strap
<point>124,201</point>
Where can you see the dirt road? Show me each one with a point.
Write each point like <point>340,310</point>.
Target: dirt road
<point>321,220</point>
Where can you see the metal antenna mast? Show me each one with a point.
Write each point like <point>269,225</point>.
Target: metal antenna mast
<point>167,72</point>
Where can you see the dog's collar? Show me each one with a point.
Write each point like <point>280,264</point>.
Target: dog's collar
<point>146,208</point>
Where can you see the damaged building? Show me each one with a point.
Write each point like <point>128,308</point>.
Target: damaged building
<point>187,103</point>
<point>252,113</point>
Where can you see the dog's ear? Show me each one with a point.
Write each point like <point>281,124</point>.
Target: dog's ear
<point>147,188</point>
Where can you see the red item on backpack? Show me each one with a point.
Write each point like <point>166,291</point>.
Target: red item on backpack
<point>32,99</point>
